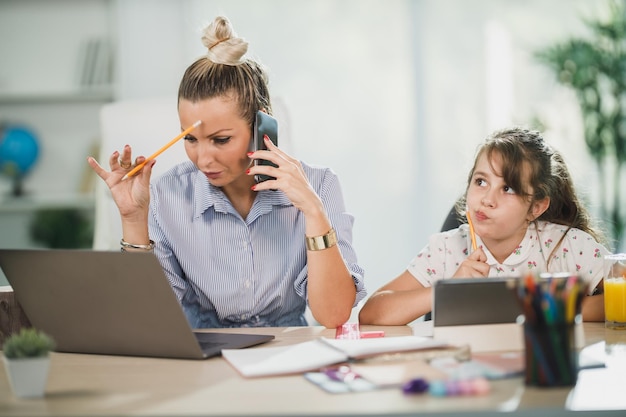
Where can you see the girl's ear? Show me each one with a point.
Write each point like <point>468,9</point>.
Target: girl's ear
<point>538,208</point>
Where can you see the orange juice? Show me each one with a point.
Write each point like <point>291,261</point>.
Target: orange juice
<point>615,301</point>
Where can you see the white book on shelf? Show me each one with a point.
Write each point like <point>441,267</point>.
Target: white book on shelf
<point>91,49</point>
<point>102,63</point>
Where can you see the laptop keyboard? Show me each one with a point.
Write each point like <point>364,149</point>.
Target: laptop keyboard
<point>210,345</point>
<point>204,339</point>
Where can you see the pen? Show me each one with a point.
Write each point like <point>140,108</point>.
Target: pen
<point>471,228</point>
<point>163,148</point>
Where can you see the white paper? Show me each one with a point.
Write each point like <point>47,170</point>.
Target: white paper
<point>358,348</point>
<point>592,356</point>
<point>483,337</point>
<point>301,357</point>
<point>598,389</point>
<point>423,328</point>
<point>315,354</point>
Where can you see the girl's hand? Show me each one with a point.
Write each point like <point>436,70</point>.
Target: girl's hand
<point>131,195</point>
<point>290,177</point>
<point>474,266</point>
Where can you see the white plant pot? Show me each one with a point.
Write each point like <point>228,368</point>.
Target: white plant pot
<point>28,376</point>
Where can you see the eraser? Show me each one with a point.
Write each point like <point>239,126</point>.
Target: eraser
<point>372,334</point>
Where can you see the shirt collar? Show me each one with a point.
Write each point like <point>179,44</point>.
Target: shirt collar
<point>523,250</point>
<point>207,195</point>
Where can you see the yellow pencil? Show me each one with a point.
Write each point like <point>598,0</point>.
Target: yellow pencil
<point>157,153</point>
<point>471,228</point>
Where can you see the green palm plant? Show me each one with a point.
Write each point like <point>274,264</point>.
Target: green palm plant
<point>596,70</point>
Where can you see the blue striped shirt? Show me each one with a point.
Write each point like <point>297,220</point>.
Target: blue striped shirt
<point>232,272</point>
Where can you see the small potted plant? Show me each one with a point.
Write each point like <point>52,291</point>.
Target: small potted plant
<point>27,360</point>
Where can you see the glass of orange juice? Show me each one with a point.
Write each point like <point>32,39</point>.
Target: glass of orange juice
<point>615,292</point>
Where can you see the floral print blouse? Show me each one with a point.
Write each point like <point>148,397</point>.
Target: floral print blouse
<point>578,253</point>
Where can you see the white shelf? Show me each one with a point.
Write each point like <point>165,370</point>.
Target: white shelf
<point>40,202</point>
<point>95,94</point>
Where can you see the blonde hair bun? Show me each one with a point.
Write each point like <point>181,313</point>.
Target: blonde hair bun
<point>223,45</point>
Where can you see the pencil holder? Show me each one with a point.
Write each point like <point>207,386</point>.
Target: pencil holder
<point>551,309</point>
<point>551,358</point>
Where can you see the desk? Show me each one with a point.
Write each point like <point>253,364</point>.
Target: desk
<point>102,385</point>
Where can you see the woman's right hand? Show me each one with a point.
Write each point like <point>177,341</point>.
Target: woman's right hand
<point>131,195</point>
<point>474,266</point>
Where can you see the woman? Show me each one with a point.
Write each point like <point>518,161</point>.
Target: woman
<point>236,252</point>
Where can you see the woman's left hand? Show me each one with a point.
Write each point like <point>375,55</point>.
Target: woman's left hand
<point>289,177</point>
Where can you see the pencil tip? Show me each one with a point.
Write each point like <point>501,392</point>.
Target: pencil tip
<point>196,124</point>
<point>124,177</point>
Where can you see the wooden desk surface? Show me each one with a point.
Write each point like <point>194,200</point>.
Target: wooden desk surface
<point>89,385</point>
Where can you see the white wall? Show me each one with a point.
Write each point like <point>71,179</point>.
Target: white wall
<point>393,95</point>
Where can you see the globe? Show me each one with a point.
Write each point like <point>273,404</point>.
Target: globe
<point>19,150</point>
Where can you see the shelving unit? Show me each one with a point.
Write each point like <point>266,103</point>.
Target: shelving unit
<point>99,95</point>
<point>42,86</point>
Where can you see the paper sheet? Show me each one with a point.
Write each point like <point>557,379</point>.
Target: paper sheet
<point>280,360</point>
<point>598,389</point>
<point>360,348</point>
<point>315,354</point>
<point>483,337</point>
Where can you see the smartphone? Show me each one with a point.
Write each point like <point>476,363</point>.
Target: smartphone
<point>264,124</point>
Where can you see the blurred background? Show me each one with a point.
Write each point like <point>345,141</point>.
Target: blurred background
<point>393,95</point>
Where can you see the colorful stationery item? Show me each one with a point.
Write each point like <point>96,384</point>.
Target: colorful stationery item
<point>551,306</point>
<point>353,331</point>
<point>447,388</point>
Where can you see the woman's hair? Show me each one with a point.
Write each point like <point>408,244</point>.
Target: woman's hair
<point>224,71</point>
<point>528,165</point>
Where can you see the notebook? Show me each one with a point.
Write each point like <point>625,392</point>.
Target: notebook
<point>479,312</point>
<point>114,303</point>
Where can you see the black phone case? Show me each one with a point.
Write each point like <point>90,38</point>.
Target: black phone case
<point>264,124</point>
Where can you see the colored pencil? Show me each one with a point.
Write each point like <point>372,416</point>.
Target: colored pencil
<point>471,229</point>
<point>163,148</point>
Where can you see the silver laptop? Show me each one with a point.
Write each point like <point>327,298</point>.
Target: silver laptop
<point>462,301</point>
<point>110,303</point>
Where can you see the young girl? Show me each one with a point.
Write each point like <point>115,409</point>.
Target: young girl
<point>526,215</point>
<point>238,253</point>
